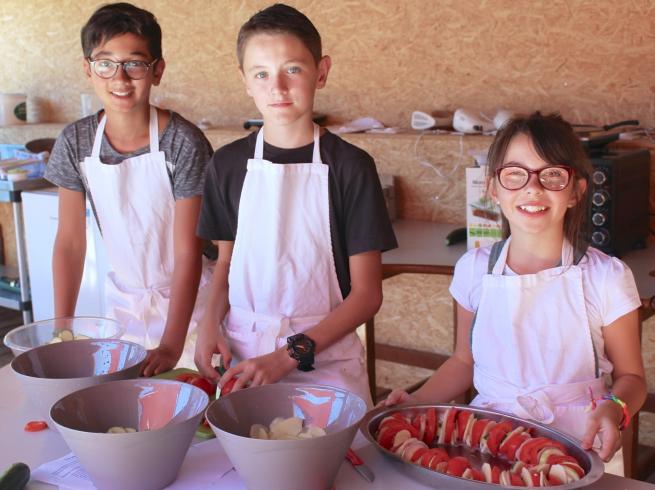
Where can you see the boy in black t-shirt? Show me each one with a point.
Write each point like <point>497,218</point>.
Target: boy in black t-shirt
<point>300,221</point>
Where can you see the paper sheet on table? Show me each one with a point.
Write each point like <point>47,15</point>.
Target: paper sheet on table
<point>204,466</point>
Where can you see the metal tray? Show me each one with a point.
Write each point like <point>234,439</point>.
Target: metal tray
<point>589,460</point>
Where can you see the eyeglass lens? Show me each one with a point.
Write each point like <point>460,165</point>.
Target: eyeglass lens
<point>135,70</point>
<point>551,178</point>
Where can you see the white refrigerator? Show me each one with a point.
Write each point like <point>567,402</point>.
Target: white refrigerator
<point>40,212</point>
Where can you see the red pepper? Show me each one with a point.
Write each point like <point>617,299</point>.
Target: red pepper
<point>35,426</point>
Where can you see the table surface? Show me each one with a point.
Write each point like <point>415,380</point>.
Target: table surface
<point>36,448</point>
<point>423,243</point>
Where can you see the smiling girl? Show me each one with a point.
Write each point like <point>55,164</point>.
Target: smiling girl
<point>543,320</point>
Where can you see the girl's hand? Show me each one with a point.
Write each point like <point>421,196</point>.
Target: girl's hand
<point>211,341</point>
<point>604,421</point>
<point>396,397</point>
<point>261,370</point>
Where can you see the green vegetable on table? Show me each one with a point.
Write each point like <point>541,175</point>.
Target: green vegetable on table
<point>16,477</point>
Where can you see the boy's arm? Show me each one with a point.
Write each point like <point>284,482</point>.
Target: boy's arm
<point>359,306</point>
<point>210,338</point>
<point>187,268</point>
<point>453,377</point>
<point>69,251</point>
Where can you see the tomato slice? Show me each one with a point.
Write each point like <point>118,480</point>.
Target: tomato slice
<point>418,454</point>
<point>476,433</point>
<point>228,387</point>
<point>496,436</point>
<point>204,384</point>
<point>554,481</point>
<point>457,466</point>
<point>539,444</point>
<point>430,426</point>
<point>516,480</point>
<point>35,426</point>
<point>495,474</point>
<point>462,420</point>
<point>449,425</point>
<point>510,446</point>
<point>477,475</point>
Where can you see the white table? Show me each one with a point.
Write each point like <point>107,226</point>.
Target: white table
<point>38,447</point>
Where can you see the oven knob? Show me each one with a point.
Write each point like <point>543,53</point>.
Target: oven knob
<point>599,198</point>
<point>600,237</point>
<point>599,177</point>
<point>598,219</point>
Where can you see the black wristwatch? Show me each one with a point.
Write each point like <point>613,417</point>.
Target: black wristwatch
<point>301,348</point>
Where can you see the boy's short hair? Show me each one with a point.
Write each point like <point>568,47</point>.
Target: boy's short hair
<point>115,19</point>
<point>280,19</point>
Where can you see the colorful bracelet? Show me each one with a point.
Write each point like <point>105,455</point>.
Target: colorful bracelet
<point>611,397</point>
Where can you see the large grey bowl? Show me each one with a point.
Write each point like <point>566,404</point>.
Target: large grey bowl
<point>34,334</point>
<point>165,414</point>
<point>307,464</point>
<point>589,460</point>
<point>50,372</point>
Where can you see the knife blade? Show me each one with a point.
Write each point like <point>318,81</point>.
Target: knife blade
<point>359,466</point>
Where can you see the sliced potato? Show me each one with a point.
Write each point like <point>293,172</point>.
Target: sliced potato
<point>259,431</point>
<point>80,336</point>
<point>55,340</point>
<point>120,430</point>
<point>287,427</point>
<point>66,335</point>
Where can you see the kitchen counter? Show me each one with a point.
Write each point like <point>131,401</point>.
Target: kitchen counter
<point>36,448</point>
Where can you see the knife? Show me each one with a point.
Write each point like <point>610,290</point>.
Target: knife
<point>359,466</point>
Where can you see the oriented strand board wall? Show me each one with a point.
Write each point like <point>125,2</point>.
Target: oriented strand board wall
<point>590,59</point>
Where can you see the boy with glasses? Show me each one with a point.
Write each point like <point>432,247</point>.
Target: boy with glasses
<point>142,169</point>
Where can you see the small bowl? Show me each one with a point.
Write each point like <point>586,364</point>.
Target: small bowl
<point>49,372</point>
<point>165,414</point>
<point>32,335</point>
<point>305,464</point>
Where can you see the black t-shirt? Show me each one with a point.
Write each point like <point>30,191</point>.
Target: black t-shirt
<point>359,221</point>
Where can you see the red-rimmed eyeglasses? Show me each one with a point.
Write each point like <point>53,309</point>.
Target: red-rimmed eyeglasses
<point>552,178</point>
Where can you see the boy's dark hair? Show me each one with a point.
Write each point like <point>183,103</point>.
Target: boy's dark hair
<point>114,19</point>
<point>280,19</point>
<point>556,143</point>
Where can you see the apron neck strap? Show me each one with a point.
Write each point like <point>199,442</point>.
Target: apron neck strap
<point>153,129</point>
<point>499,250</point>
<point>316,154</point>
<point>97,141</point>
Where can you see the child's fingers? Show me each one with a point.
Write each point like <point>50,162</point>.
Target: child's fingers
<point>591,430</point>
<point>204,365</point>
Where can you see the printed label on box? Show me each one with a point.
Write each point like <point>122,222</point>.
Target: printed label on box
<point>483,218</point>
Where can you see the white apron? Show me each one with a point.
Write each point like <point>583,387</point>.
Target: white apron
<point>282,278</point>
<point>134,205</point>
<point>532,348</point>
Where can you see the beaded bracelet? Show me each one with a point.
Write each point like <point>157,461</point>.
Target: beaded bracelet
<point>611,397</point>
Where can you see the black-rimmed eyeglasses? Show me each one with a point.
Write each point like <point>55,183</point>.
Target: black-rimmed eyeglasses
<point>515,177</point>
<point>134,69</point>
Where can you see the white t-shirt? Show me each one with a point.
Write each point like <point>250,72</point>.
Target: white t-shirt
<point>609,289</point>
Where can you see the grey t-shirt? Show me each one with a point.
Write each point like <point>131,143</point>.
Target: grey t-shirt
<point>186,149</point>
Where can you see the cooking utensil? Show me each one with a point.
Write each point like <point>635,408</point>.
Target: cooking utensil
<point>589,460</point>
<point>360,466</point>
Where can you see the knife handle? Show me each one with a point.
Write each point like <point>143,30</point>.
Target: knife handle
<point>353,458</point>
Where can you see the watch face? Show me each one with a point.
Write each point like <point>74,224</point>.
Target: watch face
<point>302,347</point>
